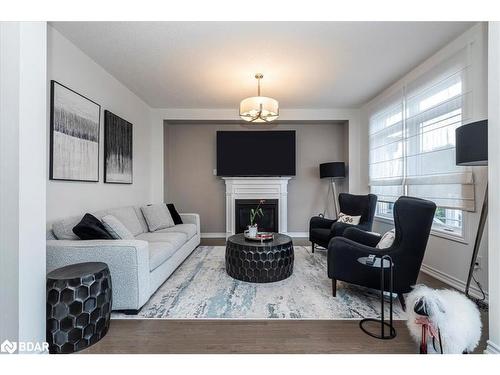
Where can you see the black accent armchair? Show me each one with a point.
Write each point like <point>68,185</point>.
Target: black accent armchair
<point>413,221</point>
<point>322,230</point>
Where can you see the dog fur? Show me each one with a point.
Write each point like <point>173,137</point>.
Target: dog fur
<point>457,318</point>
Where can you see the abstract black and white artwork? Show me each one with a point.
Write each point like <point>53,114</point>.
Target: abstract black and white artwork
<point>117,149</point>
<point>74,135</point>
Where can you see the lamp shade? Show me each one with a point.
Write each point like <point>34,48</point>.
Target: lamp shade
<point>332,169</point>
<point>471,142</point>
<point>259,109</point>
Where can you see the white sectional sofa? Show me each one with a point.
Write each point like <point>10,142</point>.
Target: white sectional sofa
<point>138,267</point>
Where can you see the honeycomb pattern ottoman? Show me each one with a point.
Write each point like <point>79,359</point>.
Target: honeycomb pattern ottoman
<point>259,262</point>
<point>79,301</point>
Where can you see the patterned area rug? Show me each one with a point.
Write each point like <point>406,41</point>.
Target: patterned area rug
<point>200,288</point>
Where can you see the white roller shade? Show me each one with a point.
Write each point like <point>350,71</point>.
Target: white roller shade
<point>386,150</point>
<point>412,138</point>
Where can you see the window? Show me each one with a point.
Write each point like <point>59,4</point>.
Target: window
<point>412,144</point>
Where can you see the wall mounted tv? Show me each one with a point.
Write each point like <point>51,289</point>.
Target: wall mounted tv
<point>255,153</point>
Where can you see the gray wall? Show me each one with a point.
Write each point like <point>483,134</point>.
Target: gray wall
<point>190,160</point>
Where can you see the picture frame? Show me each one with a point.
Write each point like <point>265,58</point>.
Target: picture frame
<point>118,149</point>
<point>74,135</point>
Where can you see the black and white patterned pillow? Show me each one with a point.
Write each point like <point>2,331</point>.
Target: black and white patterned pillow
<point>348,219</point>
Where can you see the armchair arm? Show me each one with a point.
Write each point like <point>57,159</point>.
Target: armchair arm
<point>360,236</point>
<point>191,219</point>
<point>128,262</point>
<point>342,258</point>
<point>339,228</point>
<point>321,222</point>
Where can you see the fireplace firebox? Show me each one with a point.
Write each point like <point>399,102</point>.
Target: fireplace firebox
<point>267,223</point>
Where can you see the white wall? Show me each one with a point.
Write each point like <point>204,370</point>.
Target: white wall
<point>70,66</point>
<point>22,180</point>
<point>446,259</point>
<point>494,184</point>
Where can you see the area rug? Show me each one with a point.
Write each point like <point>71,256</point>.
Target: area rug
<point>200,288</point>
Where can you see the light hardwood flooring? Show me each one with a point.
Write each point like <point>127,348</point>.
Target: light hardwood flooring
<point>257,336</point>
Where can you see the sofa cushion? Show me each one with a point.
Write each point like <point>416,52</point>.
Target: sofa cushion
<point>176,239</point>
<point>142,220</point>
<point>116,228</point>
<point>63,229</point>
<point>126,215</point>
<point>188,229</point>
<point>91,228</point>
<point>175,215</point>
<point>157,216</point>
<point>159,253</point>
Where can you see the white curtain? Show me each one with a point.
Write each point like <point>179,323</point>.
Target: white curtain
<point>412,138</point>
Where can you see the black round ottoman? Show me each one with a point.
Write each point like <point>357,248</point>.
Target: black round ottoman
<point>79,301</point>
<point>259,262</point>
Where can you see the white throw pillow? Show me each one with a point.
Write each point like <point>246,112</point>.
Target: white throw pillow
<point>116,228</point>
<point>157,217</point>
<point>387,239</point>
<point>348,219</point>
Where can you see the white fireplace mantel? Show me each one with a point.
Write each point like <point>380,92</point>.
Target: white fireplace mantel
<point>256,188</point>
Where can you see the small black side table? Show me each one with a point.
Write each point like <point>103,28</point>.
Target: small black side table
<point>384,264</point>
<point>79,299</point>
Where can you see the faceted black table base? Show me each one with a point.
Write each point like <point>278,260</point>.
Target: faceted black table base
<point>79,299</point>
<point>259,262</point>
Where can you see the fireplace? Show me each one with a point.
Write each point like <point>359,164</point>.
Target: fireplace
<point>267,223</point>
<point>256,188</point>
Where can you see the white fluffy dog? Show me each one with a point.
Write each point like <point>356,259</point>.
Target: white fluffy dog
<point>455,316</point>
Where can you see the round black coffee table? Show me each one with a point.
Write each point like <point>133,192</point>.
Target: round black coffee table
<point>259,262</point>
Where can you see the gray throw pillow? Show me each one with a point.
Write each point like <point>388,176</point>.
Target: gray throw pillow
<point>116,228</point>
<point>157,217</point>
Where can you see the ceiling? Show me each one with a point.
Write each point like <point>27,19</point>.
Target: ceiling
<point>305,64</point>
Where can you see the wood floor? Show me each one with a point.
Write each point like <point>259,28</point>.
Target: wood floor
<point>256,336</point>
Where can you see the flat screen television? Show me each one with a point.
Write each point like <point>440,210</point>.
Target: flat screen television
<point>255,153</point>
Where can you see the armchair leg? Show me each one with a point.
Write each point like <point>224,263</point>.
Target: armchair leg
<point>334,287</point>
<point>402,301</point>
<point>312,247</point>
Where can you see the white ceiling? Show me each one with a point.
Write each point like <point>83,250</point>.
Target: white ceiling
<point>305,64</point>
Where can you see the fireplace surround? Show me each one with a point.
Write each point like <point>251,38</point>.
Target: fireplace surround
<point>256,188</point>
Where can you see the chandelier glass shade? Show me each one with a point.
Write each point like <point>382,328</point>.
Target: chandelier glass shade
<point>259,108</point>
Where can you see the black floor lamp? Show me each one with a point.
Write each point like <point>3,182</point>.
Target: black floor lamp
<point>332,170</point>
<point>472,149</point>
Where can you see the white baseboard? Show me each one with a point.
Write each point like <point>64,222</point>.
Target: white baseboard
<point>492,348</point>
<point>452,281</point>
<point>213,235</point>
<point>298,234</point>
<point>223,235</point>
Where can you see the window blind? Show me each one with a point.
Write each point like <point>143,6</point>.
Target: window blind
<point>412,138</point>
<point>386,150</point>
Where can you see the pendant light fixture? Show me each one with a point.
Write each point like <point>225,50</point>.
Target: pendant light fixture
<point>259,108</point>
